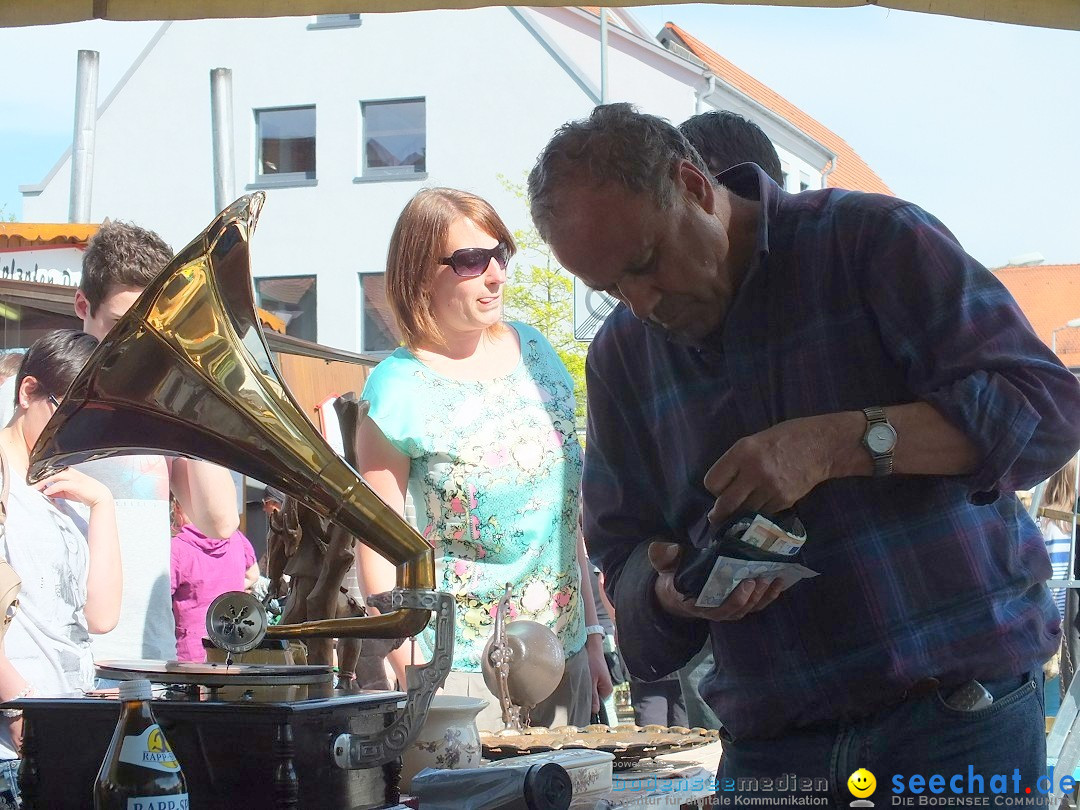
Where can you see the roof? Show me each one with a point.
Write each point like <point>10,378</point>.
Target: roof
<point>1049,295</point>
<point>851,171</point>
<point>28,234</point>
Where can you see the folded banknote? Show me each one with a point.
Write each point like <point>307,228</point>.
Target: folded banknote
<point>728,572</point>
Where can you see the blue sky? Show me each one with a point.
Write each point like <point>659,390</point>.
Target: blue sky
<point>977,122</point>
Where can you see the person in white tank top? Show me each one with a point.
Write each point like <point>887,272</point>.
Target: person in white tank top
<point>61,538</point>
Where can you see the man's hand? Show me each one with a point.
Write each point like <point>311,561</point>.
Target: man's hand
<point>749,596</point>
<point>771,470</point>
<point>598,670</point>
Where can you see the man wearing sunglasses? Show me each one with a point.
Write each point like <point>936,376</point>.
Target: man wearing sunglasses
<point>838,353</point>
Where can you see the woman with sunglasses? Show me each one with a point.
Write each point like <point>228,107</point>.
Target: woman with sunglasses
<point>60,537</point>
<point>474,417</point>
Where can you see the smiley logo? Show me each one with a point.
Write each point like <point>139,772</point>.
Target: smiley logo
<point>862,783</point>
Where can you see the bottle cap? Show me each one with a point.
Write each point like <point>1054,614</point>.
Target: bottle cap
<point>138,689</point>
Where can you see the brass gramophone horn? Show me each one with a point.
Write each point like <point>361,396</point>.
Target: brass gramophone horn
<point>187,372</point>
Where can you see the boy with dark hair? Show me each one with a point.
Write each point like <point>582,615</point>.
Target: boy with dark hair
<point>120,261</point>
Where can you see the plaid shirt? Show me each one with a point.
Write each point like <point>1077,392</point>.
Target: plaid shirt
<point>853,300</point>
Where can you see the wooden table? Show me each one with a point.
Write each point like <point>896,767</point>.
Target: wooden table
<point>681,780</point>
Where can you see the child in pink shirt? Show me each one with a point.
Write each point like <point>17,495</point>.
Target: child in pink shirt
<point>203,568</point>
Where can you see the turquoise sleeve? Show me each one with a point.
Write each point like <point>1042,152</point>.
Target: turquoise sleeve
<point>393,405</point>
<point>554,361</point>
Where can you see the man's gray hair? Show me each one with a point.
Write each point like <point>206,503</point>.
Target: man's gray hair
<point>616,144</point>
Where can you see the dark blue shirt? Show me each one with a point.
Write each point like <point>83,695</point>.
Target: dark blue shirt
<point>852,300</point>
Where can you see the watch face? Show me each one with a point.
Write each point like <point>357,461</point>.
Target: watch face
<point>880,439</point>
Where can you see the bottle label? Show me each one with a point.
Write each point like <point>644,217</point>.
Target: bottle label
<point>178,801</point>
<point>150,750</point>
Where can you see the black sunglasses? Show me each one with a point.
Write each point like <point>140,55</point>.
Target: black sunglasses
<point>53,401</point>
<point>472,262</point>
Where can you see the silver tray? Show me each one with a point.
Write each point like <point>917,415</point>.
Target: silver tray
<point>627,743</point>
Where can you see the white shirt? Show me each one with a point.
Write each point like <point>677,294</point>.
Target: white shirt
<point>7,400</point>
<point>48,641</point>
<point>140,488</point>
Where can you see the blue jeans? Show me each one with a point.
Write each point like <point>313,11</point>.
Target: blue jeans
<point>9,784</point>
<point>920,737</point>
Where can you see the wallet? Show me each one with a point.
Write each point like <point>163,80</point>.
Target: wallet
<point>725,541</point>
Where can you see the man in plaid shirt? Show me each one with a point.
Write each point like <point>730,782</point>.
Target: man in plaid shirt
<point>838,353</point>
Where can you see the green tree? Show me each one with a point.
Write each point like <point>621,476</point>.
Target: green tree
<point>541,293</point>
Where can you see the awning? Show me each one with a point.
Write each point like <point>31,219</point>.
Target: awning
<point>46,232</point>
<point>54,298</point>
<point>1046,13</point>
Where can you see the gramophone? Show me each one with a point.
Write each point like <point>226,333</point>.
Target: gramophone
<point>187,372</point>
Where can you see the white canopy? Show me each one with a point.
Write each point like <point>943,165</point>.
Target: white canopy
<point>1046,13</point>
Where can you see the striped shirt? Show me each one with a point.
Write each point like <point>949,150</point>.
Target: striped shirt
<point>852,300</point>
<point>1058,542</point>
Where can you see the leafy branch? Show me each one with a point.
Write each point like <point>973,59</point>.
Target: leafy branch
<point>541,294</point>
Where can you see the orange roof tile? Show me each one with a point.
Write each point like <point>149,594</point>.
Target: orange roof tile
<point>851,170</point>
<point>1049,295</point>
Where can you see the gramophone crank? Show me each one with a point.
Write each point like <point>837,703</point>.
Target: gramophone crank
<point>187,372</point>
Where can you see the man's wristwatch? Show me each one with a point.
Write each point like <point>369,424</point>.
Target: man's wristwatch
<point>879,439</point>
<point>595,629</point>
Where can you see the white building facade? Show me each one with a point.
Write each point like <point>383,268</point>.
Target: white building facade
<point>342,118</point>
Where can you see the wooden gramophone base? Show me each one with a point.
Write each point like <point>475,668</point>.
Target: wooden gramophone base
<point>234,753</point>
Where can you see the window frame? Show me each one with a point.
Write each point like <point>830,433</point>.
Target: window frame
<point>330,21</point>
<point>374,174</point>
<point>282,179</point>
<point>257,295</point>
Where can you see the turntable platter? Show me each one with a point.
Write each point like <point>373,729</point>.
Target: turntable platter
<point>213,674</point>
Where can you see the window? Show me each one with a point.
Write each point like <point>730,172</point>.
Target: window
<point>293,299</point>
<point>335,21</point>
<point>378,332</point>
<point>286,143</point>
<point>804,181</point>
<point>395,141</point>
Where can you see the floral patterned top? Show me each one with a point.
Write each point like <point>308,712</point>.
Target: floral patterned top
<point>495,477</point>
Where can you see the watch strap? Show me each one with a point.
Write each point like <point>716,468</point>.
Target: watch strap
<point>595,629</point>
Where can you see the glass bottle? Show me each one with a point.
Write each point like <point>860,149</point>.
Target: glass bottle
<point>140,771</point>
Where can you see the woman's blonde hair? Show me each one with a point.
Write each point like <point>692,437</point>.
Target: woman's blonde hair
<point>417,245</point>
<point>1060,493</point>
